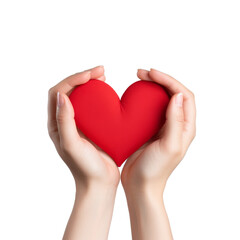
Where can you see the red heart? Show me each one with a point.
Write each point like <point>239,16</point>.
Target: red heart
<point>119,127</point>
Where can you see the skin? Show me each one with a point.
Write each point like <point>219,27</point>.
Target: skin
<point>145,173</point>
<point>96,175</point>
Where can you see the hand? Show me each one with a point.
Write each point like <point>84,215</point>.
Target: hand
<point>153,163</point>
<point>87,162</point>
<point>96,174</point>
<point>145,173</point>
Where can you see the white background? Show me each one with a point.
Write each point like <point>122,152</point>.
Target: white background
<point>196,42</point>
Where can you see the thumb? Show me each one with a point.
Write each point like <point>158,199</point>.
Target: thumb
<point>174,120</point>
<point>65,121</point>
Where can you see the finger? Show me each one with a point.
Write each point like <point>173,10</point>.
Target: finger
<point>66,86</point>
<point>174,125</point>
<point>143,75</point>
<point>169,82</point>
<point>102,78</point>
<point>79,78</point>
<point>67,129</point>
<point>52,98</point>
<point>174,87</point>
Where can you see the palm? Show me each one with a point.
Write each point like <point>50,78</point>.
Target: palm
<point>98,159</point>
<point>149,158</point>
<point>138,162</point>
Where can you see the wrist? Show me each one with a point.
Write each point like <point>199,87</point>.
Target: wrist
<point>92,188</point>
<point>153,189</point>
<point>85,184</point>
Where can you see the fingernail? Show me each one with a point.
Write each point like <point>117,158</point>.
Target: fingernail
<point>179,100</point>
<point>60,100</point>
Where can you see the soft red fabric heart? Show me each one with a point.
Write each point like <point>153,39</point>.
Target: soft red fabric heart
<point>119,127</point>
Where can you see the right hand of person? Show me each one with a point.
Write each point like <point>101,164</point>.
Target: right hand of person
<point>87,162</point>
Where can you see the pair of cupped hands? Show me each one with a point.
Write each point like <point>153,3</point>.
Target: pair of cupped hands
<point>151,165</point>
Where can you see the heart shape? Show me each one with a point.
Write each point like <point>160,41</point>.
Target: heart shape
<point>119,127</point>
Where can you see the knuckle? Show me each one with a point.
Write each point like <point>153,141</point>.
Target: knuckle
<point>60,121</point>
<point>174,150</point>
<point>191,94</point>
<point>50,91</point>
<point>66,147</point>
<point>60,117</point>
<point>180,117</point>
<point>52,135</point>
